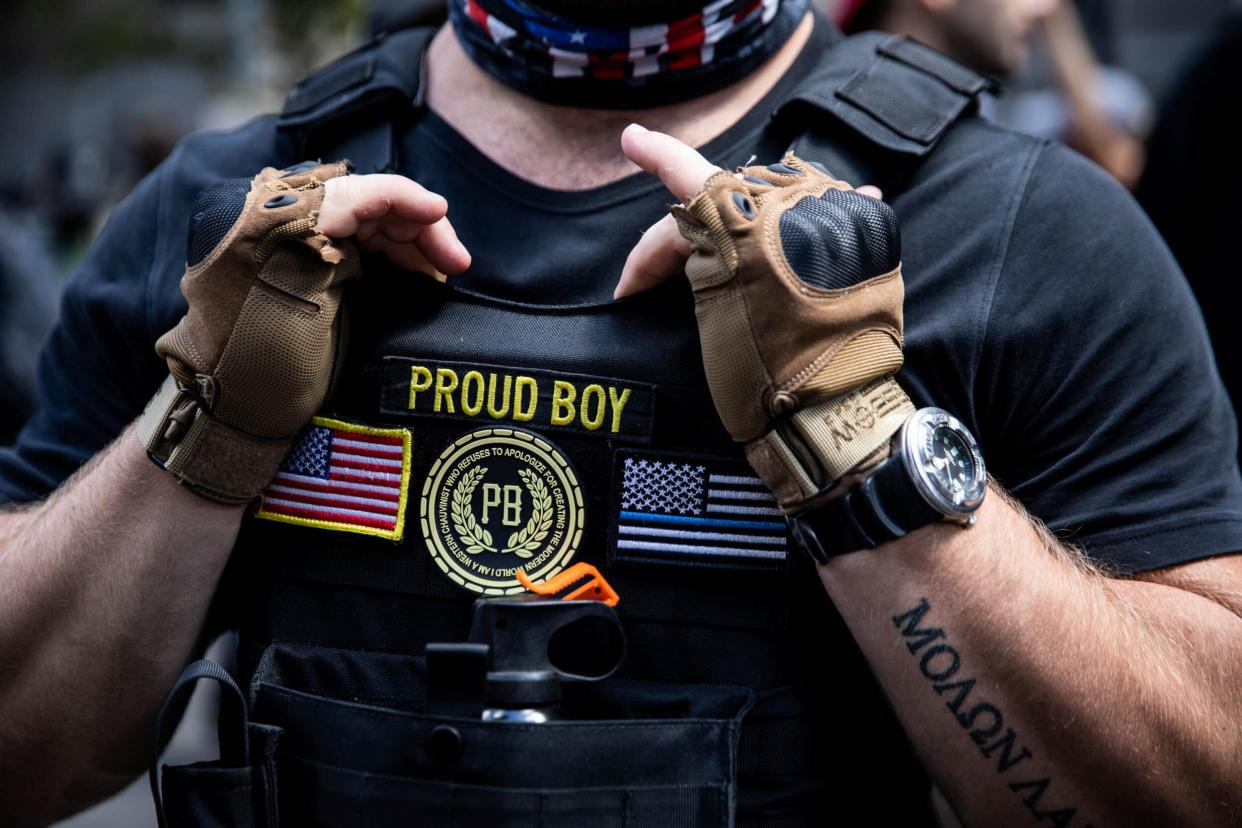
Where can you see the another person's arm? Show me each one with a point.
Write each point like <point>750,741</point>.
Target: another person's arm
<point>1091,130</point>
<point>104,586</point>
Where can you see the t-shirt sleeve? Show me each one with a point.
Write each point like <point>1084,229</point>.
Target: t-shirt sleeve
<point>1100,405</point>
<point>97,368</point>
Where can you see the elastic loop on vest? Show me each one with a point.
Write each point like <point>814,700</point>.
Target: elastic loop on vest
<point>940,66</point>
<point>888,101</point>
<point>234,745</point>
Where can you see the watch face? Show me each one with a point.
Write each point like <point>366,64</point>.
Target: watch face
<point>949,462</point>
<point>945,460</point>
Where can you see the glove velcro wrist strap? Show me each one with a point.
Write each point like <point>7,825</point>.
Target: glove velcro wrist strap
<point>781,471</point>
<point>853,427</point>
<point>206,456</point>
<point>840,434</point>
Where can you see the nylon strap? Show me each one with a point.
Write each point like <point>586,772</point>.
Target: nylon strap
<point>948,71</point>
<point>209,458</point>
<point>879,105</point>
<point>357,106</point>
<point>234,746</point>
<point>855,426</point>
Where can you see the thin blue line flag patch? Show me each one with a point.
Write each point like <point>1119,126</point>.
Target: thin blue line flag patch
<point>694,510</point>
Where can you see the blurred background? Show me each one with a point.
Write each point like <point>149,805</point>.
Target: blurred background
<point>95,94</point>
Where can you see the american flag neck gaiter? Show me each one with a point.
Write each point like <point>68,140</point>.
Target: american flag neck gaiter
<point>565,62</point>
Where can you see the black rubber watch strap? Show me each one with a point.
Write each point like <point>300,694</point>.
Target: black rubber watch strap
<point>882,508</point>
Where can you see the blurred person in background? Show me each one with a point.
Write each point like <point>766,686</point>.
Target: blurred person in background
<point>990,36</point>
<point>1027,679</point>
<point>996,37</point>
<point>29,284</point>
<point>1191,182</point>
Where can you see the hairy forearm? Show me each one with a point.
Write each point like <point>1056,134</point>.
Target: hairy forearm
<point>1039,691</point>
<point>103,593</point>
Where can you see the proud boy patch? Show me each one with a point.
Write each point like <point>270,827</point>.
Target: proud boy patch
<point>549,401</point>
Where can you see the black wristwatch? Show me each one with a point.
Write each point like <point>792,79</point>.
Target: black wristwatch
<point>934,473</point>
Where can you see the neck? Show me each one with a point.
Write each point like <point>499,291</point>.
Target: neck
<point>570,148</point>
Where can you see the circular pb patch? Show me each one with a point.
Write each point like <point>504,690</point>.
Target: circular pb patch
<point>498,500</point>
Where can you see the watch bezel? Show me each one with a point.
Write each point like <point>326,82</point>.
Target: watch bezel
<point>910,447</point>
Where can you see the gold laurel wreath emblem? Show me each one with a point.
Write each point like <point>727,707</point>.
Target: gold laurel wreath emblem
<point>526,540</point>
<point>475,537</point>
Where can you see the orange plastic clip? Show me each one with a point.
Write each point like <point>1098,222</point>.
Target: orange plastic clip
<point>595,589</point>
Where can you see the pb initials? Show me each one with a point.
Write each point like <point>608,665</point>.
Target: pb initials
<point>508,498</point>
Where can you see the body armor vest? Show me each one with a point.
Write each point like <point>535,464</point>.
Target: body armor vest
<point>470,437</point>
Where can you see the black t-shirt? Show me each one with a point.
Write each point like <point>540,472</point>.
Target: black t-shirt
<point>1042,309</point>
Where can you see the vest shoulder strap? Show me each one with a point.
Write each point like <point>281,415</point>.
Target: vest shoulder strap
<point>879,104</point>
<point>355,106</point>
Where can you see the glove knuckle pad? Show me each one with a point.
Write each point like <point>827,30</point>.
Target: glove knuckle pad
<point>213,214</point>
<point>839,239</point>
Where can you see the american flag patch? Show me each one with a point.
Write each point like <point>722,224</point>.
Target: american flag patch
<point>346,477</point>
<point>699,510</point>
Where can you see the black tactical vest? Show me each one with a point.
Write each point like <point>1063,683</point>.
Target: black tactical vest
<point>470,437</point>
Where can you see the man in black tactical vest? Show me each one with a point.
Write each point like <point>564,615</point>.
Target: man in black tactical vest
<point>776,459</point>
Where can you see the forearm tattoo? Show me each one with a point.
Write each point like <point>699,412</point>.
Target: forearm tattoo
<point>940,663</point>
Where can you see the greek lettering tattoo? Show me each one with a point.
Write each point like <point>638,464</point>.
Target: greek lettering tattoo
<point>940,663</point>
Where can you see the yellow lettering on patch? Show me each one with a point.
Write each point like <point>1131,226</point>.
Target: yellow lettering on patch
<point>618,405</point>
<point>491,499</point>
<point>563,394</point>
<point>512,514</point>
<point>593,421</point>
<point>508,497</point>
<point>420,380</point>
<point>446,384</point>
<point>492,410</point>
<point>468,406</point>
<point>531,400</point>
<point>606,407</point>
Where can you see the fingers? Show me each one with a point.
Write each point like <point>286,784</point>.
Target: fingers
<point>396,216</point>
<point>871,190</point>
<point>439,244</point>
<point>659,255</point>
<point>682,169</point>
<point>406,256</point>
<point>435,243</point>
<point>353,199</point>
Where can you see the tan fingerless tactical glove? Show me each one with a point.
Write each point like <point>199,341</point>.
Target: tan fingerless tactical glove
<point>253,358</point>
<point>798,293</point>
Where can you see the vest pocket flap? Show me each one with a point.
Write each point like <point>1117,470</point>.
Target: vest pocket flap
<point>399,682</point>
<point>576,753</point>
<point>383,679</point>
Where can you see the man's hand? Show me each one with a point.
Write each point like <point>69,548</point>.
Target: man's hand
<point>798,294</point>
<point>255,355</point>
<point>662,251</point>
